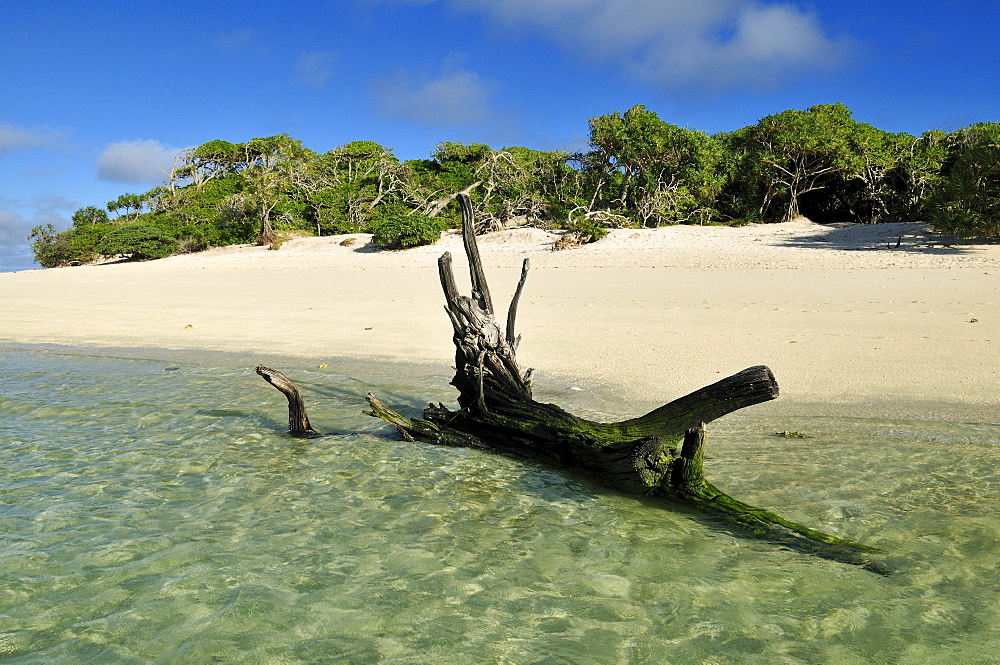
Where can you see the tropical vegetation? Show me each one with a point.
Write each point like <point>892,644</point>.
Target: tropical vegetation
<point>638,171</point>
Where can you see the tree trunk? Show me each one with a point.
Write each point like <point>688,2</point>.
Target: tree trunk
<point>656,455</point>
<point>434,208</point>
<point>265,236</point>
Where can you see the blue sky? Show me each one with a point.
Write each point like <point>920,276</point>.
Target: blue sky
<point>95,97</point>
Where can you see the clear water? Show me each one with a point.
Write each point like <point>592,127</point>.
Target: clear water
<point>156,512</point>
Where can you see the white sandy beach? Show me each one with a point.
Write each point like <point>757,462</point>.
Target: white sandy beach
<point>841,315</point>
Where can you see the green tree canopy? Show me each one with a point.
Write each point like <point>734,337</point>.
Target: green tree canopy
<point>272,163</point>
<point>966,198</point>
<point>211,160</point>
<point>658,172</point>
<point>89,215</point>
<point>639,170</point>
<point>791,154</point>
<point>138,242</point>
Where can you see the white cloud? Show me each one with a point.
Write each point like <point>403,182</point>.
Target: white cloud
<point>15,252</point>
<point>315,68</point>
<point>709,44</point>
<point>13,229</point>
<point>19,216</point>
<point>16,137</point>
<point>51,204</point>
<point>137,162</point>
<point>456,97</point>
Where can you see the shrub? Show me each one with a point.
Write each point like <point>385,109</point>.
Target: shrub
<point>139,242</point>
<point>965,200</point>
<point>49,247</point>
<point>79,243</point>
<point>401,230</point>
<point>594,226</point>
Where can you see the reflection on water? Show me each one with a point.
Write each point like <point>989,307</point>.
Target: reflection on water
<point>157,512</point>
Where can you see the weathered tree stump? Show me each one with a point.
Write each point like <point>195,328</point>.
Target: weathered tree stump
<point>659,454</point>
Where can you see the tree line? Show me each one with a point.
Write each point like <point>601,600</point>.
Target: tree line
<point>639,171</point>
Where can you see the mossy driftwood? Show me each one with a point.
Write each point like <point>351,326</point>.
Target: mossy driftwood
<point>659,455</point>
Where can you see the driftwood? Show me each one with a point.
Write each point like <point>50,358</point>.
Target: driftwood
<point>298,421</point>
<point>657,455</point>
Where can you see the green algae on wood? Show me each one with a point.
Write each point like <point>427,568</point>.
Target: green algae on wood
<point>659,455</point>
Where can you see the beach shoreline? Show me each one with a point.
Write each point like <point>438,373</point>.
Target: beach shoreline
<point>856,316</point>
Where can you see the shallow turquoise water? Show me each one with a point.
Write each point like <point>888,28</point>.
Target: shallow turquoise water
<point>156,512</point>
